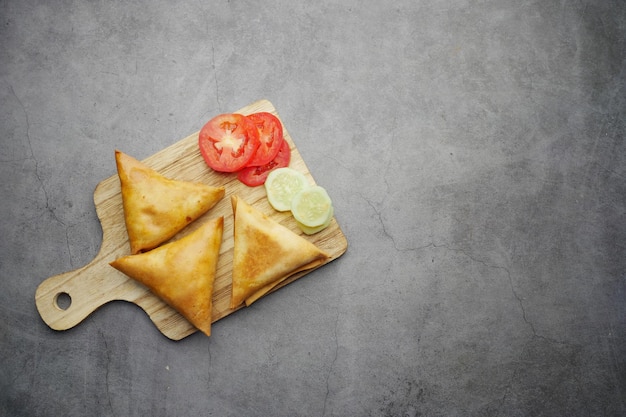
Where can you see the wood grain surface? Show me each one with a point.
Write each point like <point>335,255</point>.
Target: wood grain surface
<point>98,283</point>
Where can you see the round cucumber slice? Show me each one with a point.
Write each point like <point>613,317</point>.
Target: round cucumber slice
<point>312,230</point>
<point>311,206</point>
<point>282,185</point>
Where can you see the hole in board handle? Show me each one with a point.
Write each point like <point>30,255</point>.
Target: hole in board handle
<point>63,301</point>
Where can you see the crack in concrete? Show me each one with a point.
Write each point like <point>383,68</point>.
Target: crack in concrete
<point>516,295</point>
<point>34,159</point>
<point>509,277</point>
<point>458,250</point>
<point>48,208</point>
<point>338,163</point>
<point>506,270</point>
<point>534,334</point>
<point>379,216</point>
<point>508,387</point>
<point>387,234</point>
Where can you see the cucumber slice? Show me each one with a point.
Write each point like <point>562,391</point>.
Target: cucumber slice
<point>282,185</point>
<point>311,206</point>
<point>312,230</point>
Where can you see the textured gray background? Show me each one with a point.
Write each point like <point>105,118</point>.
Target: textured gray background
<point>475,154</point>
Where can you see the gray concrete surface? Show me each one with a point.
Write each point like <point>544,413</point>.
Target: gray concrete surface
<point>474,150</point>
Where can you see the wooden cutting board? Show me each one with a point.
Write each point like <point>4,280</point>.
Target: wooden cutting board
<point>97,283</point>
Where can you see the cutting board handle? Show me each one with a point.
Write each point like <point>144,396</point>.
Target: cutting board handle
<point>66,299</point>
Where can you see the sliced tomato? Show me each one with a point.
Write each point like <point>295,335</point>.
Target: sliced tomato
<point>270,135</point>
<point>228,142</point>
<point>253,176</point>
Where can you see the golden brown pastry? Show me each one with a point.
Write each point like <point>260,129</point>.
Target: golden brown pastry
<point>156,207</point>
<point>182,272</point>
<point>265,254</point>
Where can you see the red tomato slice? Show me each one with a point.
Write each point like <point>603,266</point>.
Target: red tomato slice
<point>270,135</point>
<point>228,142</point>
<point>253,176</point>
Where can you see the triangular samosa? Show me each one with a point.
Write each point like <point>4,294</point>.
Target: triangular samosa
<point>182,272</point>
<point>265,254</point>
<point>156,207</point>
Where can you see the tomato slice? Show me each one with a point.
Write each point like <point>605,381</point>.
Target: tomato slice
<point>253,176</point>
<point>270,135</point>
<point>228,142</point>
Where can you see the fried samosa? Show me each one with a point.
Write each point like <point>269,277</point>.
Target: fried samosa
<point>265,254</point>
<point>182,272</point>
<point>156,207</point>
